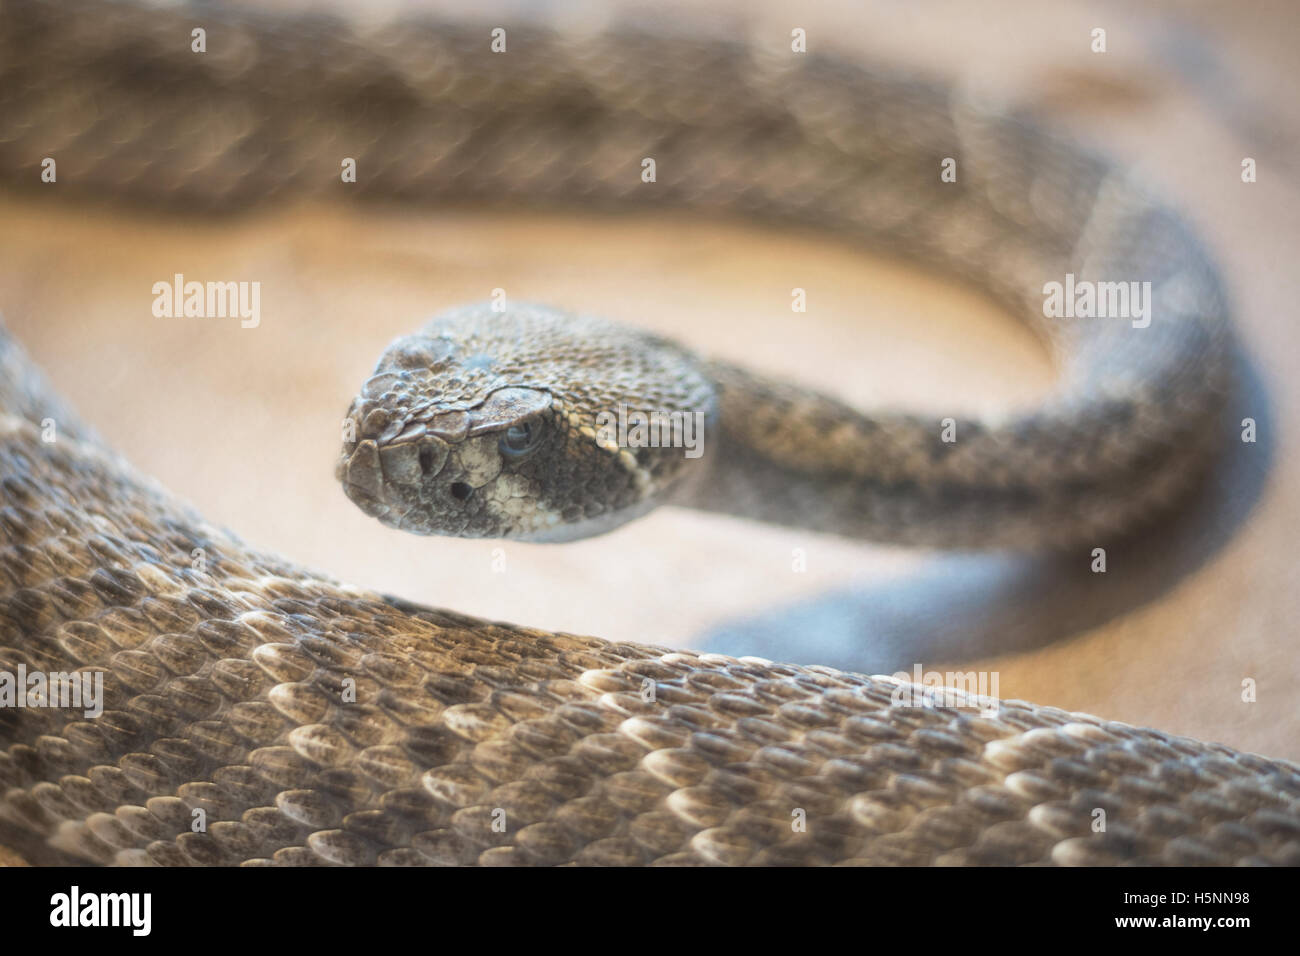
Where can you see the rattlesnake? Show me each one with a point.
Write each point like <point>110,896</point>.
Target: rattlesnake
<point>259,712</point>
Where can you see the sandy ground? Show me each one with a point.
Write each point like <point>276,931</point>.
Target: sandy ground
<point>245,423</point>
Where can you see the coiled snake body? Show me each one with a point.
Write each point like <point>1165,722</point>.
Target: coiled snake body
<point>311,722</point>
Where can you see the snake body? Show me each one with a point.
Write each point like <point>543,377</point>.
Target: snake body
<point>259,712</point>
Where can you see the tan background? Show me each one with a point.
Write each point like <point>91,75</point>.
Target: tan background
<point>245,423</point>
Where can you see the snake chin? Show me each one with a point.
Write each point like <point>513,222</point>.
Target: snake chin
<point>562,532</point>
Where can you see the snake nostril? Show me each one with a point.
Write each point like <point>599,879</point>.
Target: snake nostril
<point>461,491</point>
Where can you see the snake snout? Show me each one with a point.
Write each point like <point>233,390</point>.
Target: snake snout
<point>378,475</point>
<point>363,478</point>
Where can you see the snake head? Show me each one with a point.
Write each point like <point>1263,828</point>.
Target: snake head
<point>523,423</point>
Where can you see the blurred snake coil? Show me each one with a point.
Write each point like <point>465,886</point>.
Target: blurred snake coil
<point>476,742</point>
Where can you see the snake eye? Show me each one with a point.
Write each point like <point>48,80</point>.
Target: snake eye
<point>521,439</point>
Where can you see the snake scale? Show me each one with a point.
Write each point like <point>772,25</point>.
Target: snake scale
<point>304,721</point>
